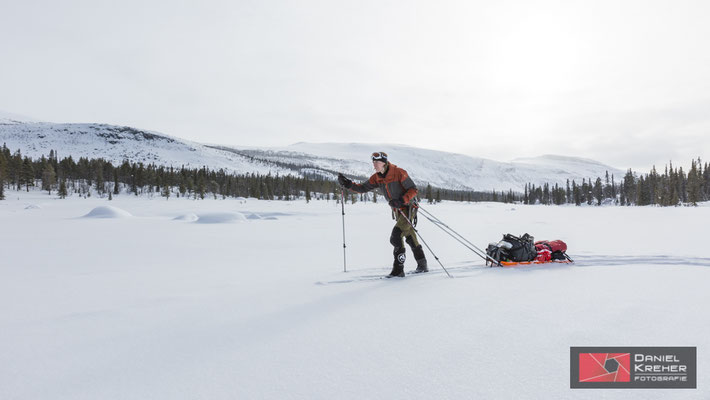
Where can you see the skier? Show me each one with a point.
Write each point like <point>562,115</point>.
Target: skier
<point>399,190</point>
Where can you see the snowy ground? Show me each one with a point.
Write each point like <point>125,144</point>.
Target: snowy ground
<point>222,299</point>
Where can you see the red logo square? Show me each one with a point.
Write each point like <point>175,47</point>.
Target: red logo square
<point>604,367</point>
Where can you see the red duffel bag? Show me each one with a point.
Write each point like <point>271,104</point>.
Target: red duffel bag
<point>557,249</point>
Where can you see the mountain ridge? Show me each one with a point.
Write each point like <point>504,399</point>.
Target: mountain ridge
<point>441,169</point>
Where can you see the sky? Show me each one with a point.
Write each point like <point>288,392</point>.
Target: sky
<point>626,83</point>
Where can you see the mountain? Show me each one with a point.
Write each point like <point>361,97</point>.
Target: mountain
<point>119,143</point>
<point>440,169</point>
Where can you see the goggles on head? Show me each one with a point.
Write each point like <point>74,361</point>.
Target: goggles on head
<point>379,156</point>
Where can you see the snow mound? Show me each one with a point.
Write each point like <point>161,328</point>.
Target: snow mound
<point>221,218</point>
<point>108,212</point>
<point>33,207</point>
<point>263,216</point>
<point>190,217</point>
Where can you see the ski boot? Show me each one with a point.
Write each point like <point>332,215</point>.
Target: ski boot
<point>398,264</point>
<point>421,260</point>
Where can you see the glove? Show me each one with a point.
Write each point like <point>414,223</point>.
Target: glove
<point>345,182</point>
<point>396,203</point>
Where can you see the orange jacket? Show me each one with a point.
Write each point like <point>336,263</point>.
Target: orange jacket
<point>395,184</point>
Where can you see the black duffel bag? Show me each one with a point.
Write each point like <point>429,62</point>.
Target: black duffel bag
<point>513,248</point>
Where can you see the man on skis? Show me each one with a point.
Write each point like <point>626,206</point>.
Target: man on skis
<point>399,190</point>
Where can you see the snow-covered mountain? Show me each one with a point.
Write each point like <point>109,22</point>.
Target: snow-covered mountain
<point>118,143</point>
<point>440,169</point>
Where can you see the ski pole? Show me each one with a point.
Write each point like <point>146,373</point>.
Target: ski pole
<point>423,241</point>
<point>342,204</point>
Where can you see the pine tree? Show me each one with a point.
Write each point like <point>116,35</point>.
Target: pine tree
<point>705,176</point>
<point>62,189</point>
<point>116,187</point>
<point>641,192</point>
<point>674,197</point>
<point>706,181</point>
<point>598,190</point>
<point>701,181</point>
<point>134,179</point>
<point>200,189</point>
<point>653,186</point>
<point>28,173</point>
<point>438,196</point>
<point>629,187</point>
<point>606,191</point>
<point>99,177</point>
<point>182,189</point>
<point>49,178</point>
<point>693,185</point>
<point>214,189</point>
<point>3,168</point>
<point>683,185</point>
<point>429,197</point>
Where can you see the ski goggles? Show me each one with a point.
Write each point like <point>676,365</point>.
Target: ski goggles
<point>379,156</point>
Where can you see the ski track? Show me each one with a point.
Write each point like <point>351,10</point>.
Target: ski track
<point>603,260</point>
<point>471,269</point>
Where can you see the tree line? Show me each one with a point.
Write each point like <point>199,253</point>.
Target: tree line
<point>671,188</point>
<point>86,176</point>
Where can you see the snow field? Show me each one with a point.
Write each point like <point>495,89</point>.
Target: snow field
<point>257,306</point>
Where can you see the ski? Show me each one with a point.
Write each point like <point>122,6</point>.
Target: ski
<point>462,268</point>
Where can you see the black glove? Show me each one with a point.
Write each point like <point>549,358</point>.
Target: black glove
<point>345,182</point>
<point>396,203</point>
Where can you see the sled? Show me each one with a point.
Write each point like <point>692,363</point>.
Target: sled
<point>514,263</point>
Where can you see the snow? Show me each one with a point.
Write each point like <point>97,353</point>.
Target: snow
<point>107,212</point>
<point>159,308</point>
<point>220,218</point>
<point>190,217</point>
<point>12,118</point>
<point>119,143</point>
<point>440,169</point>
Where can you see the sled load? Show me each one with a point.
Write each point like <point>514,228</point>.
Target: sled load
<point>514,250</point>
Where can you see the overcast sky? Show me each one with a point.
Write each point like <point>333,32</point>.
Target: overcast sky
<point>623,82</point>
